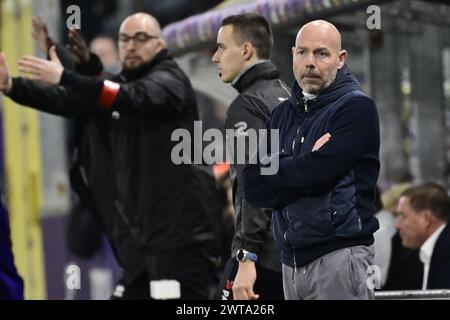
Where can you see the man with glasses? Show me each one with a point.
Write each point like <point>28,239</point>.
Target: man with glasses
<point>157,215</point>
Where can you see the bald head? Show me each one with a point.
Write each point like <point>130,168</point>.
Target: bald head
<point>145,20</point>
<point>323,31</point>
<point>317,56</point>
<point>139,40</point>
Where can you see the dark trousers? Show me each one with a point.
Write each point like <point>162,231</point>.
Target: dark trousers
<point>194,267</point>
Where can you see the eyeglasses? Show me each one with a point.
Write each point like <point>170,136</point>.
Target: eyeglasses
<point>139,37</point>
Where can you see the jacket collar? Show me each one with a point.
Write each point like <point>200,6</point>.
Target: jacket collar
<point>259,71</point>
<point>344,83</point>
<point>131,75</point>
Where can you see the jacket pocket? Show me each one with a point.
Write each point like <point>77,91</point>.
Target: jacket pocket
<point>309,221</point>
<point>344,216</point>
<point>345,224</point>
<point>280,227</point>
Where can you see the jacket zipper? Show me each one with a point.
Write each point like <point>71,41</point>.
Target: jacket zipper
<point>305,102</point>
<point>293,249</point>
<point>295,138</point>
<point>294,273</point>
<point>119,208</point>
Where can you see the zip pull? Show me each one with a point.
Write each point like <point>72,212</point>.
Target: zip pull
<point>305,102</point>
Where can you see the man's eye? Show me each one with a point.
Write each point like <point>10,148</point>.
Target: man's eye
<point>301,52</point>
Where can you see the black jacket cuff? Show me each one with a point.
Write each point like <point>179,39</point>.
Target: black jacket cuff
<point>251,246</point>
<point>93,68</point>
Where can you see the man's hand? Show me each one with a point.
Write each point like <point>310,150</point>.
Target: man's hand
<point>244,282</point>
<point>40,34</point>
<point>78,46</point>
<point>41,69</point>
<point>5,80</point>
<point>321,141</point>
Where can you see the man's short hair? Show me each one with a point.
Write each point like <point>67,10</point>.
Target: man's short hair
<point>429,196</point>
<point>253,28</point>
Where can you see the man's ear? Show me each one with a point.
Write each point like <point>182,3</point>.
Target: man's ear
<point>161,43</point>
<point>248,51</point>
<point>341,58</point>
<point>427,217</point>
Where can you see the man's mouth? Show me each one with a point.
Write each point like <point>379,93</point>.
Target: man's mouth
<point>132,58</point>
<point>311,76</point>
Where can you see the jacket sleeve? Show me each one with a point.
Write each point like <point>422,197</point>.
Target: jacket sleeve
<point>164,92</point>
<point>264,192</point>
<point>354,129</point>
<point>255,221</point>
<point>51,99</point>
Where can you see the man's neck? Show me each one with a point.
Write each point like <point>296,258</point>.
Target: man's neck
<point>246,67</point>
<point>436,225</point>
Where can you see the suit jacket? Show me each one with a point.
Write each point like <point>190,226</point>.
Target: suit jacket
<point>439,274</point>
<point>405,268</point>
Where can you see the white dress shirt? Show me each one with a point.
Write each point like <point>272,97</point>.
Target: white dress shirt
<point>426,252</point>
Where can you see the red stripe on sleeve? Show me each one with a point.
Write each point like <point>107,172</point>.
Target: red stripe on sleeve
<point>109,94</point>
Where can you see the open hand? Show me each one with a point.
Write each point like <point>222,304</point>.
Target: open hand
<point>40,34</point>
<point>5,80</point>
<point>78,46</point>
<point>244,282</point>
<point>49,71</point>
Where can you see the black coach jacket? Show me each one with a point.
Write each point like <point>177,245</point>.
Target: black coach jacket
<point>124,171</point>
<point>260,91</point>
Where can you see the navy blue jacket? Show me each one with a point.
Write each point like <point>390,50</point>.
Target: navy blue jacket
<point>324,200</point>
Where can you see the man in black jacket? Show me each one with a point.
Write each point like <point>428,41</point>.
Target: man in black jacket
<point>324,189</point>
<point>423,215</point>
<point>154,212</point>
<point>244,46</point>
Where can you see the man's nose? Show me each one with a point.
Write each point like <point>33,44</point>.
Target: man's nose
<point>130,45</point>
<point>215,58</point>
<point>397,223</point>
<point>310,61</point>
